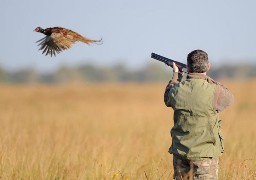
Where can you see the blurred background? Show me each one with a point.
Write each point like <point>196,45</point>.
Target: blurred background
<point>131,31</point>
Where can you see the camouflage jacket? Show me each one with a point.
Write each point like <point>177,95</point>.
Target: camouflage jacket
<point>197,102</point>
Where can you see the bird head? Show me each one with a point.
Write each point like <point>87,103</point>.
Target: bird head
<point>39,29</point>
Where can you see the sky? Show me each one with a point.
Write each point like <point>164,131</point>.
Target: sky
<point>131,31</point>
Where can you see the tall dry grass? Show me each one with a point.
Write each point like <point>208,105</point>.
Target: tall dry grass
<point>109,132</point>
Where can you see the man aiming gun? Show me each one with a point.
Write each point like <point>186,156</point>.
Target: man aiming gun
<point>197,141</point>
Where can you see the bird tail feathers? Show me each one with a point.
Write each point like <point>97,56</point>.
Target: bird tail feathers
<point>90,41</point>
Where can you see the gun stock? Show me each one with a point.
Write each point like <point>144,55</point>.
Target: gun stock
<point>168,61</point>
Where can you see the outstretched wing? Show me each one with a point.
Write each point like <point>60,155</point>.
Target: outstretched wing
<point>55,43</point>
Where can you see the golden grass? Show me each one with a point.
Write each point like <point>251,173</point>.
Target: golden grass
<point>105,131</point>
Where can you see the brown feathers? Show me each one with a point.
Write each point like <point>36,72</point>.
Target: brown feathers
<point>58,39</point>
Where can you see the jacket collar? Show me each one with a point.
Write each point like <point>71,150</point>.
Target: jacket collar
<point>196,76</point>
<point>201,76</point>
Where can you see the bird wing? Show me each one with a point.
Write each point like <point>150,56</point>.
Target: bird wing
<point>55,43</point>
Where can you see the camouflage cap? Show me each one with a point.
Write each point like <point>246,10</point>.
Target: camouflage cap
<point>197,61</point>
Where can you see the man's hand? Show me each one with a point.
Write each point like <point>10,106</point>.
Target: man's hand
<point>178,72</point>
<point>175,68</point>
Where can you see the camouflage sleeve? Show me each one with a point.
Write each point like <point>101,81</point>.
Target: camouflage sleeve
<point>175,79</point>
<point>222,98</point>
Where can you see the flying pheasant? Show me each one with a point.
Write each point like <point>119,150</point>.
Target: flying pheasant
<point>58,39</point>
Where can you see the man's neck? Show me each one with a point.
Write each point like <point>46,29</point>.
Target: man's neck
<point>202,74</point>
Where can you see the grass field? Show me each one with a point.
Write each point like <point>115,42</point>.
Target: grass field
<point>118,131</point>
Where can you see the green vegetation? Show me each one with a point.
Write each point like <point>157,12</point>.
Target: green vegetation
<point>152,72</point>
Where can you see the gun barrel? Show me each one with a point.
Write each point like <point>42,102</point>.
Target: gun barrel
<point>168,61</point>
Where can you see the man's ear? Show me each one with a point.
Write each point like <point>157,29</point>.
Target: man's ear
<point>209,66</point>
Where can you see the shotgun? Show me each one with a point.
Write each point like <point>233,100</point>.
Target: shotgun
<point>168,61</point>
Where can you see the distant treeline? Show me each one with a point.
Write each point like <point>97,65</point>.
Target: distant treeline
<point>154,72</point>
